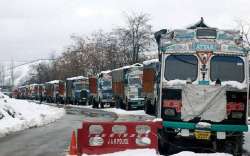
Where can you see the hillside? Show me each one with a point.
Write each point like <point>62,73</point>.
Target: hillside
<point>22,71</point>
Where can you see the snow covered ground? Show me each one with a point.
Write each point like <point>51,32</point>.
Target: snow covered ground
<point>16,115</point>
<point>152,152</point>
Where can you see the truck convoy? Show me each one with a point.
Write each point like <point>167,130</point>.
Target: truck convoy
<point>203,89</point>
<point>199,87</point>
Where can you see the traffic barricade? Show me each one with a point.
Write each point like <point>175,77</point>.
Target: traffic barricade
<point>108,137</point>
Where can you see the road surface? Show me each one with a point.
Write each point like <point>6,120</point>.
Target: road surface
<point>52,139</point>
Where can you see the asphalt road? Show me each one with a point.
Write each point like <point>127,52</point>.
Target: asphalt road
<point>52,139</point>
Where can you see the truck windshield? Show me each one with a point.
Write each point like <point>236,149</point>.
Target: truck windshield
<point>227,68</point>
<point>134,81</point>
<point>79,86</point>
<point>181,67</point>
<point>105,84</point>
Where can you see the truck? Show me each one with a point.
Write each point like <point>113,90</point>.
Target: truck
<point>41,92</point>
<point>150,85</point>
<point>55,91</point>
<point>34,92</point>
<point>127,87</point>
<point>102,94</point>
<point>104,88</point>
<point>203,89</point>
<point>77,90</point>
<point>81,91</point>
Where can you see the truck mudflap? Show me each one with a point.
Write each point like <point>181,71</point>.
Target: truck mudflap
<point>107,137</point>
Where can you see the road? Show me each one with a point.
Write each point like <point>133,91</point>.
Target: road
<point>52,139</point>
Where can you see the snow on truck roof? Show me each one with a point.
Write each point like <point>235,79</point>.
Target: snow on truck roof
<point>148,62</point>
<point>105,72</point>
<point>54,81</point>
<point>77,78</point>
<point>129,66</point>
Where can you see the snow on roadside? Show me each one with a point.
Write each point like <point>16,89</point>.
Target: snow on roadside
<point>246,145</point>
<point>124,112</point>
<point>16,115</point>
<point>152,152</point>
<point>187,153</point>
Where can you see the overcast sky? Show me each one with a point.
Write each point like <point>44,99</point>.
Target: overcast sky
<point>31,29</point>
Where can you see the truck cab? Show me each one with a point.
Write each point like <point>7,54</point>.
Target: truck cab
<point>203,87</point>
<point>81,91</point>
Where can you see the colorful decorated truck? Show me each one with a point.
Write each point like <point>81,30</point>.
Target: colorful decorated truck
<point>102,94</point>
<point>55,91</point>
<point>104,88</point>
<point>81,91</point>
<point>34,92</point>
<point>127,87</point>
<point>77,90</point>
<point>203,87</point>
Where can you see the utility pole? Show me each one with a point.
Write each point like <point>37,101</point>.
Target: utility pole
<point>12,73</point>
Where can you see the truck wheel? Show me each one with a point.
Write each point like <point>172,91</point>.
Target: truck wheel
<point>127,106</point>
<point>149,109</point>
<point>232,145</point>
<point>164,142</point>
<point>146,107</point>
<point>102,104</point>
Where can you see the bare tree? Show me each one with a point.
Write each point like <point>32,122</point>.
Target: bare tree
<point>245,30</point>
<point>100,51</point>
<point>2,75</point>
<point>136,34</point>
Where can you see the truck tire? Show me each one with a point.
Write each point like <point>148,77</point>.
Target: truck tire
<point>102,104</point>
<point>149,109</point>
<point>164,142</point>
<point>232,145</point>
<point>127,106</point>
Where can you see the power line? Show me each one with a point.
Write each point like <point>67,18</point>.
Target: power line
<point>29,62</point>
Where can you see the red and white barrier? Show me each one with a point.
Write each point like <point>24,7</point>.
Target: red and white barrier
<point>108,137</point>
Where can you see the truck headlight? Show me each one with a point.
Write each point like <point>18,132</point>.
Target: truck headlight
<point>237,115</point>
<point>169,112</point>
<point>96,141</point>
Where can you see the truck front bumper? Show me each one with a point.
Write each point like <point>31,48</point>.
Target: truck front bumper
<point>136,103</point>
<point>214,127</point>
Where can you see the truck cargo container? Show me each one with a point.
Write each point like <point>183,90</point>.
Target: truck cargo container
<point>150,83</point>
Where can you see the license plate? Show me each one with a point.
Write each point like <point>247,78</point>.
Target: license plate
<point>202,135</point>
